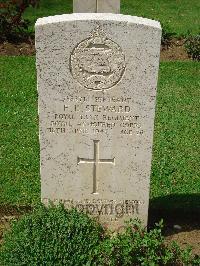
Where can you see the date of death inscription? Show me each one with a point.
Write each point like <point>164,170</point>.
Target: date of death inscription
<point>95,115</point>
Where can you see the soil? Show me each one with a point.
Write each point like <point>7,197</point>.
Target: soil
<point>7,214</point>
<point>174,51</point>
<point>13,49</point>
<point>185,239</point>
<point>180,225</point>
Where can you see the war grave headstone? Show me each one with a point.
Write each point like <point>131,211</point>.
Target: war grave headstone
<point>97,78</point>
<point>96,6</point>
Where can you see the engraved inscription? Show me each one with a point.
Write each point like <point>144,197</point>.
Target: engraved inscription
<point>102,207</point>
<point>97,63</point>
<point>96,161</point>
<point>94,115</point>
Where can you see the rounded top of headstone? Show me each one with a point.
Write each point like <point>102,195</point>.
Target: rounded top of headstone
<point>99,17</point>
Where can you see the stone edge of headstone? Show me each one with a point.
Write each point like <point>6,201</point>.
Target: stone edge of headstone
<point>98,16</point>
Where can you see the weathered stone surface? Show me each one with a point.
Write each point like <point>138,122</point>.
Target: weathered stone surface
<point>97,77</point>
<point>84,6</point>
<point>108,6</point>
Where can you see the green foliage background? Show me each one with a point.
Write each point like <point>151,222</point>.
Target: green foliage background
<point>181,16</point>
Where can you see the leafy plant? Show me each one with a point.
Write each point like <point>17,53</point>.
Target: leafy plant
<point>136,246</point>
<point>192,46</point>
<point>12,25</point>
<point>167,35</point>
<point>55,236</point>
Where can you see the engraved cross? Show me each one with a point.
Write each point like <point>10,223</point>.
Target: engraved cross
<point>96,161</point>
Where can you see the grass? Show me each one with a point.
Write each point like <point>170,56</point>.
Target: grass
<point>176,159</point>
<point>176,140</point>
<point>19,164</point>
<point>181,16</point>
<point>175,178</point>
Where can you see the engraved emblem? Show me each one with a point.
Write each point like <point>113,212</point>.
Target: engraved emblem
<point>97,63</point>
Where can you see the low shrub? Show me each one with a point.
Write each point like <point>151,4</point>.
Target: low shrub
<point>167,35</point>
<point>56,236</point>
<point>53,236</point>
<point>13,27</point>
<point>136,246</point>
<point>192,46</point>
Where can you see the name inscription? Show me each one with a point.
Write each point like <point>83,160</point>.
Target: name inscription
<point>79,116</point>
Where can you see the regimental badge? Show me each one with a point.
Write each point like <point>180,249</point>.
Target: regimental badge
<point>97,63</point>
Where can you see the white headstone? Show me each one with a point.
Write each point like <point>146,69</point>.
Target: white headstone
<point>84,6</point>
<point>108,6</point>
<point>96,6</point>
<point>97,77</point>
